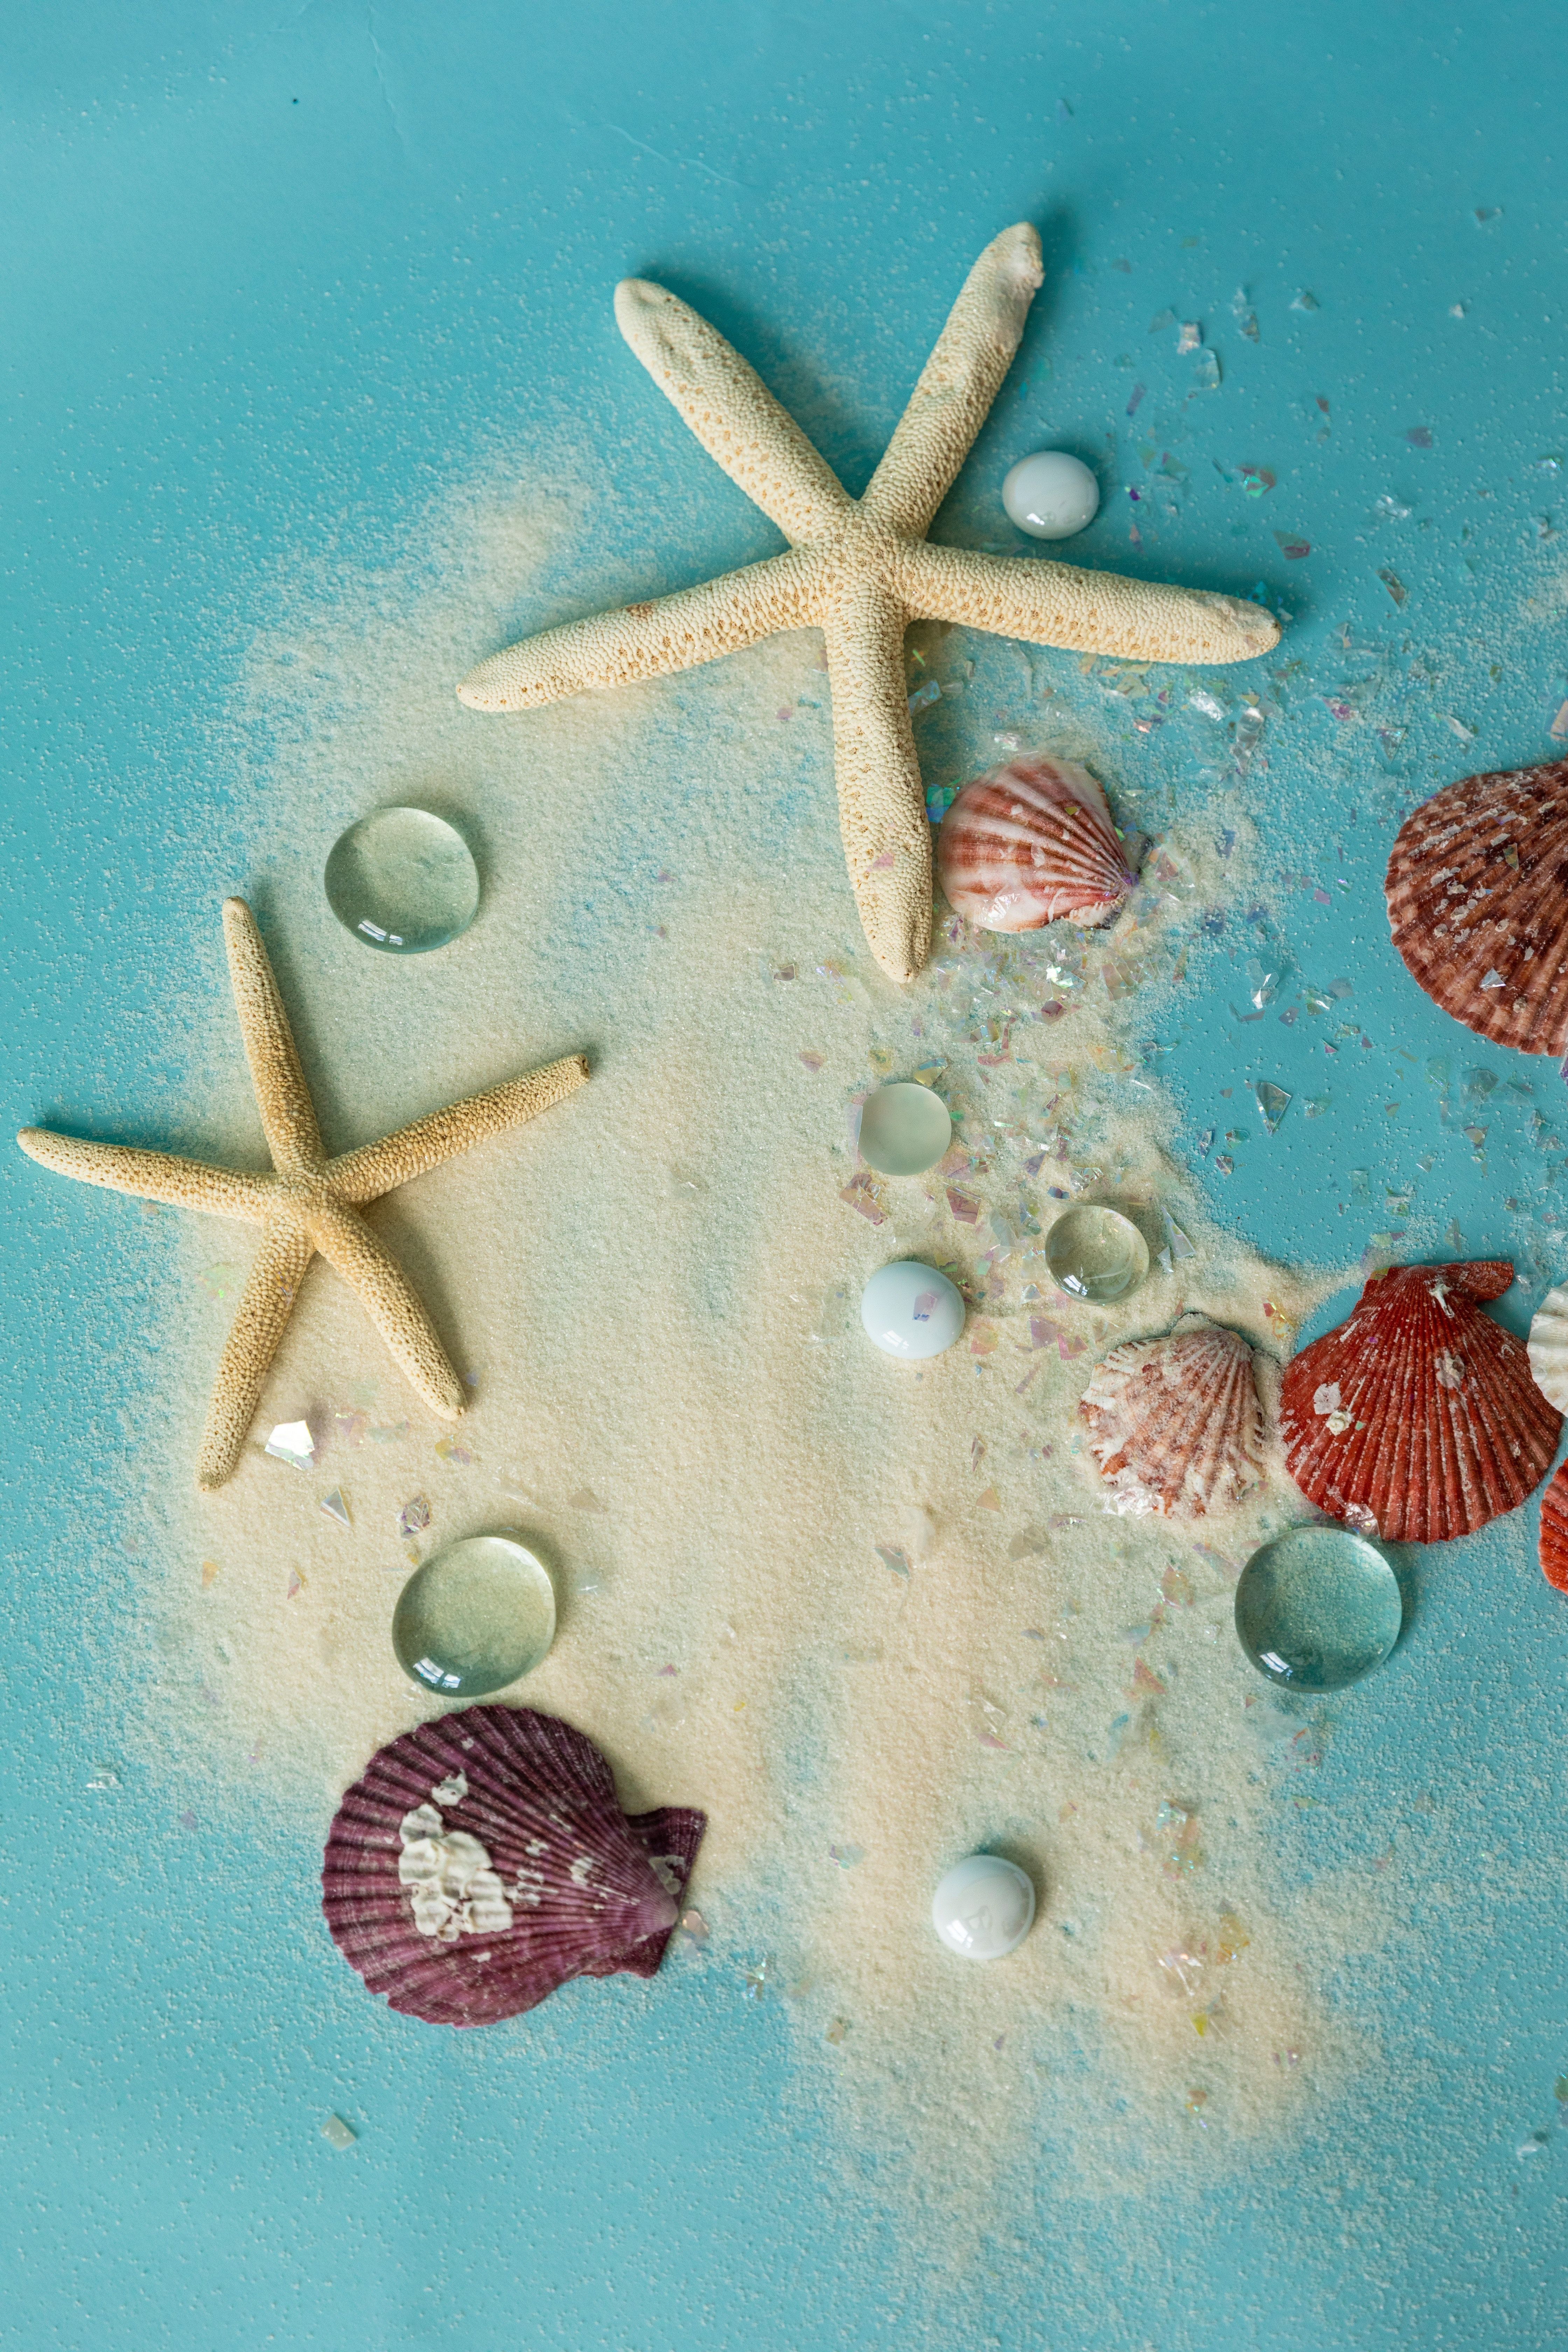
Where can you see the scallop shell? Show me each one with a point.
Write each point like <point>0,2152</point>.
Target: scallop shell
<point>1478,906</point>
<point>484,1859</point>
<point>1554,1531</point>
<point>1176,1423</point>
<point>1032,843</point>
<point>1548,1347</point>
<point>1417,1419</point>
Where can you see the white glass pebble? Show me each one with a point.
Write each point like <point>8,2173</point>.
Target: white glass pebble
<point>1051,495</point>
<point>911,1310</point>
<point>984,1907</point>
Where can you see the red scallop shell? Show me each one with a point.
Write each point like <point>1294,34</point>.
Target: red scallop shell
<point>1032,843</point>
<point>1417,1419</point>
<point>1554,1531</point>
<point>598,1885</point>
<point>1174,1424</point>
<point>1478,902</point>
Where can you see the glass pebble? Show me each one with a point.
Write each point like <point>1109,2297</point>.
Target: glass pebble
<point>475,1617</point>
<point>984,1907</point>
<point>1096,1254</point>
<point>904,1130</point>
<point>911,1310</point>
<point>404,881</point>
<point>1318,1608</point>
<point>1051,495</point>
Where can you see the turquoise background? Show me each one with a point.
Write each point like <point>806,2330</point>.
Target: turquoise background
<point>266,287</point>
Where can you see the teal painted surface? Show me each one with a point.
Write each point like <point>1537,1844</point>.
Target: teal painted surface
<point>267,291</point>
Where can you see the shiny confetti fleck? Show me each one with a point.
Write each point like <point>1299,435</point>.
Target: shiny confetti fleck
<point>924,696</point>
<point>892,1557</point>
<point>1255,480</point>
<point>1305,301</point>
<point>865,1195</point>
<point>1205,372</point>
<point>846,1856</point>
<point>1394,585</point>
<point>694,1927</point>
<point>990,1501</point>
<point>1272,1101</point>
<point>338,2134</point>
<point>1291,548</point>
<point>584,1499</point>
<point>1190,338</point>
<point>296,1584</point>
<point>837,2029</point>
<point>1419,437</point>
<point>211,1571</point>
<point>335,1507</point>
<point>811,1060</point>
<point>223,1281</point>
<point>448,1449</point>
<point>414,1517</point>
<point>291,1441</point>
<point>103,1775</point>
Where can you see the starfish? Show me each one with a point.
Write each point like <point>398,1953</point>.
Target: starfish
<point>307,1203</point>
<point>862,570</point>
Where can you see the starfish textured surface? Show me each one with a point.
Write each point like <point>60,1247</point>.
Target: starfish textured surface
<point>862,570</point>
<point>307,1202</point>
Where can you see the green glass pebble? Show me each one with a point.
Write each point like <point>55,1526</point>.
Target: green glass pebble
<point>1096,1254</point>
<point>904,1130</point>
<point>1318,1608</point>
<point>475,1617</point>
<point>404,881</point>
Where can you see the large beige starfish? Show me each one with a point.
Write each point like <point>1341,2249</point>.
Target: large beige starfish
<point>862,570</point>
<point>308,1203</point>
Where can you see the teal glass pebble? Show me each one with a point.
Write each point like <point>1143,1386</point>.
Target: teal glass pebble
<point>1318,1608</point>
<point>475,1617</point>
<point>403,881</point>
<point>905,1129</point>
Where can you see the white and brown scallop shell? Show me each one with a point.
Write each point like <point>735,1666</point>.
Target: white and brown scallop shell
<point>1032,843</point>
<point>1477,906</point>
<point>1176,1423</point>
<point>1548,1347</point>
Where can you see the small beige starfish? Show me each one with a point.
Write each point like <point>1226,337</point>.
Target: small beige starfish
<point>862,570</point>
<point>308,1203</point>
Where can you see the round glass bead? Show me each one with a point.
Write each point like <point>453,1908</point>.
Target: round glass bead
<point>904,1130</point>
<point>1318,1608</point>
<point>1096,1254</point>
<point>1051,495</point>
<point>404,881</point>
<point>984,1907</point>
<point>475,1617</point>
<point>911,1310</point>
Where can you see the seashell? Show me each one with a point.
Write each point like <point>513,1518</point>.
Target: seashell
<point>1417,1419</point>
<point>1554,1531</point>
<point>1478,907</point>
<point>484,1859</point>
<point>1032,843</point>
<point>1175,1422</point>
<point>1547,1348</point>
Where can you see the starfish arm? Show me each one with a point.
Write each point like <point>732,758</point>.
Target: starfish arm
<point>731,412</point>
<point>1084,612</point>
<point>881,807</point>
<point>383,1290</point>
<point>377,1167</point>
<point>264,1308</point>
<point>151,1175</point>
<point>958,384</point>
<point>287,1114</point>
<point>673,633</point>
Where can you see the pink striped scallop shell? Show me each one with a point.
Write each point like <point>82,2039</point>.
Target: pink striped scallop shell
<point>1176,1423</point>
<point>1479,907</point>
<point>1032,843</point>
<point>483,1859</point>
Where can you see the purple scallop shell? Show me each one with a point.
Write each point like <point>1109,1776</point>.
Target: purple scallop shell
<point>598,1886</point>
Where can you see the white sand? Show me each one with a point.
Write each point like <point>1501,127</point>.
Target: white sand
<point>655,1290</point>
